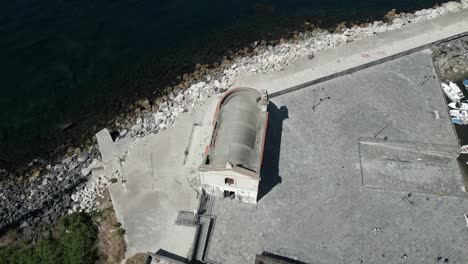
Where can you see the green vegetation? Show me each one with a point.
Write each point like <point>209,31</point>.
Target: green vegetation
<point>74,244</point>
<point>12,232</point>
<point>119,230</point>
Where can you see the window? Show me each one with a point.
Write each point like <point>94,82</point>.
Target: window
<point>229,194</point>
<point>228,181</point>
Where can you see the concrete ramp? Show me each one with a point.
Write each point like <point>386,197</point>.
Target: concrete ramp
<point>106,146</point>
<point>109,154</point>
<point>411,166</point>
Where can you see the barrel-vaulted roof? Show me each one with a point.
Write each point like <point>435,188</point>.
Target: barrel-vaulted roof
<point>239,130</point>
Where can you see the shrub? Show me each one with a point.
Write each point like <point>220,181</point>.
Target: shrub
<point>75,244</point>
<point>48,252</point>
<point>44,252</point>
<point>120,231</point>
<point>77,236</point>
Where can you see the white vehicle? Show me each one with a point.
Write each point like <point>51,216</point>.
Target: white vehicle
<point>459,105</point>
<point>459,113</point>
<point>452,91</point>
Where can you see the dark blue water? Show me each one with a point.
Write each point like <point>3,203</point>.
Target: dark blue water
<point>83,61</point>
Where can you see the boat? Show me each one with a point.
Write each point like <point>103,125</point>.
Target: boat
<point>459,113</point>
<point>459,121</point>
<point>455,86</point>
<point>464,149</point>
<point>459,117</point>
<point>459,105</point>
<point>465,83</point>
<point>452,91</point>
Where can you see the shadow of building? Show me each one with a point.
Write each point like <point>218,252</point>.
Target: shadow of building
<point>271,154</point>
<point>270,258</point>
<point>463,164</point>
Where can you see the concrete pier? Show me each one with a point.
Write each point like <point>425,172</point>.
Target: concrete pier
<point>329,196</point>
<point>359,54</point>
<point>360,164</point>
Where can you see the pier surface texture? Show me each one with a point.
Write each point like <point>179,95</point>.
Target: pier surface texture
<point>345,186</point>
<point>156,187</point>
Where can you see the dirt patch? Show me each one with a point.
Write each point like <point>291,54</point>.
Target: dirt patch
<point>111,244</point>
<point>138,258</point>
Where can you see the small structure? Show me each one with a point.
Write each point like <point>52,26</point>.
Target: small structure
<point>232,160</point>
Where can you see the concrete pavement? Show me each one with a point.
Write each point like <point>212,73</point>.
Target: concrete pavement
<point>318,210</point>
<point>157,186</point>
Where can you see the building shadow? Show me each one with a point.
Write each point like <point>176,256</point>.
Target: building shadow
<point>270,258</point>
<point>271,153</point>
<point>463,165</point>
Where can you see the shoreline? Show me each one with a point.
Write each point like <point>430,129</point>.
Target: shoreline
<point>80,132</point>
<point>110,86</point>
<point>152,116</point>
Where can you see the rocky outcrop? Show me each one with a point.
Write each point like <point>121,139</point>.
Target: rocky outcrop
<point>40,199</point>
<point>451,59</point>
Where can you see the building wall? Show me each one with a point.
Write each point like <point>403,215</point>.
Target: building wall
<point>245,188</point>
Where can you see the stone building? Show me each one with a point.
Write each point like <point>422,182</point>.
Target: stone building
<point>233,159</point>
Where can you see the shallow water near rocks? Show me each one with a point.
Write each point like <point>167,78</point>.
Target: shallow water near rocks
<point>82,62</point>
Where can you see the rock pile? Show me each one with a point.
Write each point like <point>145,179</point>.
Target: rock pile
<point>85,197</point>
<point>69,185</point>
<point>46,195</point>
<point>451,59</point>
